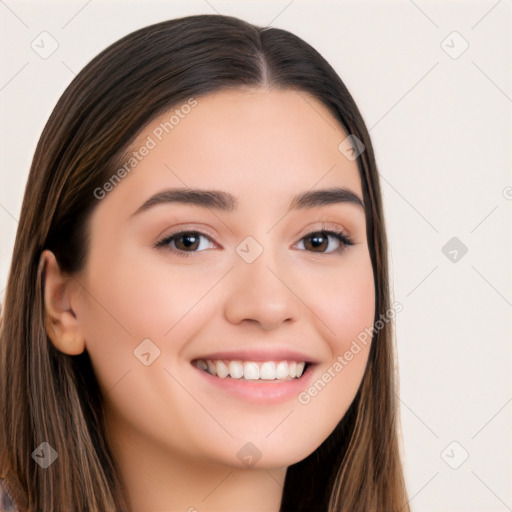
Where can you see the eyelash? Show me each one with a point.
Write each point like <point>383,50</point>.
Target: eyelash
<point>338,234</point>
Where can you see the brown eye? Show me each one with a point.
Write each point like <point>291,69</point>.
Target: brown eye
<point>183,243</point>
<point>186,241</point>
<point>318,241</point>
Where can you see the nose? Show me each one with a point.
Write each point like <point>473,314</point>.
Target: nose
<point>263,294</point>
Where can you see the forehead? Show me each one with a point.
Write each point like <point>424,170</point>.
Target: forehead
<point>246,141</point>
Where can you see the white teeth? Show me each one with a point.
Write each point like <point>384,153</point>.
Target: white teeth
<point>222,369</point>
<point>282,370</point>
<point>268,371</point>
<point>252,370</point>
<point>236,369</point>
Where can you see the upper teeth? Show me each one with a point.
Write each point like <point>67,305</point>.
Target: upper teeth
<point>252,370</point>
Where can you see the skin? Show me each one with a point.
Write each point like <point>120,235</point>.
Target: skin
<point>174,436</point>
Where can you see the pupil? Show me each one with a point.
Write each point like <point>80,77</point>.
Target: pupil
<point>187,238</point>
<point>318,240</point>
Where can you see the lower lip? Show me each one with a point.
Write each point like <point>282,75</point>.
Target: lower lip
<point>261,392</point>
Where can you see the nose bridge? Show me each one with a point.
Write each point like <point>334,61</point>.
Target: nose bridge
<point>260,290</point>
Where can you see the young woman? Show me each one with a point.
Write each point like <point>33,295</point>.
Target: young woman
<point>198,315</point>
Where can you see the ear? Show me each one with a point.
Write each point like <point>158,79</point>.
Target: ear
<point>61,323</point>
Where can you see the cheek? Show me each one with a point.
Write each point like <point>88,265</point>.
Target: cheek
<point>344,300</point>
<point>128,301</point>
<point>152,297</point>
<point>345,303</point>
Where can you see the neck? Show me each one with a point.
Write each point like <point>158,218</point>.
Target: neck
<point>157,478</point>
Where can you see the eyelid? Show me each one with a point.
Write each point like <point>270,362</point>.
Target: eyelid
<point>187,228</point>
<point>326,226</point>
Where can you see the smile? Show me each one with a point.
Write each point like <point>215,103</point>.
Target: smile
<point>252,370</point>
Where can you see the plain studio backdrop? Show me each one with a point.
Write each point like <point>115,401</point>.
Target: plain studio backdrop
<point>433,82</point>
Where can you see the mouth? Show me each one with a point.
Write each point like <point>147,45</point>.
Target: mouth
<point>264,376</point>
<point>253,371</point>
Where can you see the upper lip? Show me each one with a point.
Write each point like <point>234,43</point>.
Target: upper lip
<point>255,354</point>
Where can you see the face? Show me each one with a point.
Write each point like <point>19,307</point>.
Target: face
<point>249,282</point>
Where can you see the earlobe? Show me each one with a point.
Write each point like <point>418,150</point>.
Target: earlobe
<point>61,323</point>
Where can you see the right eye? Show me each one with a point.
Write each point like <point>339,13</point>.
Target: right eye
<point>188,240</point>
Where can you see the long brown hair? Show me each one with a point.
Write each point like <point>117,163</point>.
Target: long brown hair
<point>49,396</point>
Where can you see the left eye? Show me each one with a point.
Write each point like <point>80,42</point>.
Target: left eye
<point>321,238</point>
<point>184,243</point>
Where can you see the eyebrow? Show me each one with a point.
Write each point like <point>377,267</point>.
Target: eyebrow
<point>224,201</point>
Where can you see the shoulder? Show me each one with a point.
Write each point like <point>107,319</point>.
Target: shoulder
<point>7,503</point>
